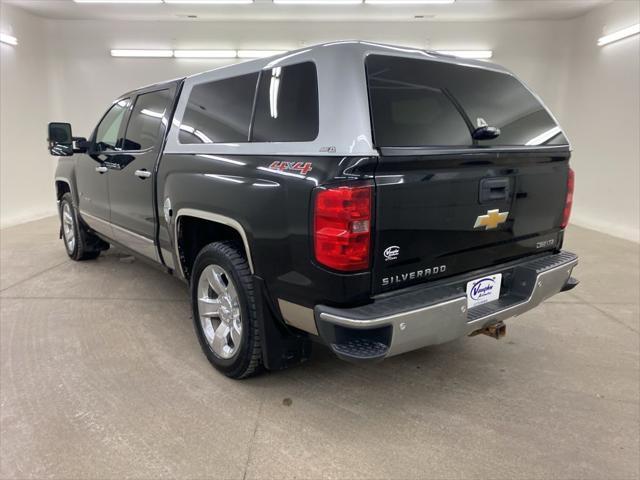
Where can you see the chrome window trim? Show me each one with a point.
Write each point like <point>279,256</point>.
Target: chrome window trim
<point>213,217</point>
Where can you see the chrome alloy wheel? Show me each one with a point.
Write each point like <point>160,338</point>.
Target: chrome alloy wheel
<point>67,228</point>
<point>219,311</point>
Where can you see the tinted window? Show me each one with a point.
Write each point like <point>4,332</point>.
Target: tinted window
<point>429,103</point>
<point>146,119</point>
<point>287,105</point>
<point>107,132</point>
<point>219,111</point>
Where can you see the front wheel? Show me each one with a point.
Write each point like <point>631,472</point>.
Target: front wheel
<point>79,243</point>
<point>224,310</point>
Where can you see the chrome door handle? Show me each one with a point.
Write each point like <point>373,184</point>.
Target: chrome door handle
<point>142,173</point>
<point>101,169</point>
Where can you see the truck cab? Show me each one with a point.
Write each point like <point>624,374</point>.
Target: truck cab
<point>373,198</point>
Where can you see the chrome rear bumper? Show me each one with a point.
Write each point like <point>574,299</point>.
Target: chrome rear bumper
<point>433,315</point>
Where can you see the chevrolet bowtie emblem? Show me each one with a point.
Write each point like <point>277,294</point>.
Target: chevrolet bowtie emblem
<point>491,220</point>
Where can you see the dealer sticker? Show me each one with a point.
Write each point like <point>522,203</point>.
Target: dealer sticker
<point>483,290</point>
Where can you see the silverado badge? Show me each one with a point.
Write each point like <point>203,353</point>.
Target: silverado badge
<point>491,220</point>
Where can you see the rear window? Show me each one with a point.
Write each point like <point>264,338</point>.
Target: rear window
<point>287,104</point>
<point>436,104</point>
<point>219,111</point>
<point>146,119</point>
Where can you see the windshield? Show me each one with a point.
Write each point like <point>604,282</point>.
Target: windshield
<point>425,103</point>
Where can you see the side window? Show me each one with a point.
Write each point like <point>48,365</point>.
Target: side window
<point>144,129</point>
<point>219,111</point>
<point>109,127</point>
<point>287,105</point>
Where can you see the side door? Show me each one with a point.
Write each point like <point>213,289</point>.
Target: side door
<point>92,177</point>
<point>132,170</point>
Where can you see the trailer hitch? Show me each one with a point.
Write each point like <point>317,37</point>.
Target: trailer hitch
<point>495,330</point>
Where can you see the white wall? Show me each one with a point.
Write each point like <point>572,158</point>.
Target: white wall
<point>26,169</point>
<point>601,111</point>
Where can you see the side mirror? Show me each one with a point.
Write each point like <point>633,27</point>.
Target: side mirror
<point>60,139</point>
<point>81,145</point>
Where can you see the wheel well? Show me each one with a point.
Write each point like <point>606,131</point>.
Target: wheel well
<point>194,233</point>
<point>62,188</point>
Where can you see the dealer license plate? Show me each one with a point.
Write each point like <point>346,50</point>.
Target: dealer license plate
<point>483,290</point>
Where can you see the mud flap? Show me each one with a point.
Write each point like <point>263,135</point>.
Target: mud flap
<point>281,348</point>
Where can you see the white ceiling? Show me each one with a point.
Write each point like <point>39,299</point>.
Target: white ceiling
<point>266,10</point>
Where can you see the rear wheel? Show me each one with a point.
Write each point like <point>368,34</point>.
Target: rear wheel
<point>78,241</point>
<point>224,310</point>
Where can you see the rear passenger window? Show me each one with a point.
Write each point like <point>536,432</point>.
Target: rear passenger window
<point>287,105</point>
<point>219,111</point>
<point>148,113</point>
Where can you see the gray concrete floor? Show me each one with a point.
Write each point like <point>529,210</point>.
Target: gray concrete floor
<point>102,377</point>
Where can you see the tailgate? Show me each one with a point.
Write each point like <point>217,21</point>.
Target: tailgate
<point>441,217</point>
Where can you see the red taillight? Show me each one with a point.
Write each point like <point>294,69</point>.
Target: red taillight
<point>568,203</point>
<point>342,227</point>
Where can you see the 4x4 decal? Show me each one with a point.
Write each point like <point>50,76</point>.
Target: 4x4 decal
<point>298,167</point>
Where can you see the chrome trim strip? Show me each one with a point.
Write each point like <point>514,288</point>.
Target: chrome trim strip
<point>213,217</point>
<point>141,244</point>
<point>135,235</point>
<point>298,316</point>
<point>97,223</point>
<point>134,241</point>
<point>167,256</point>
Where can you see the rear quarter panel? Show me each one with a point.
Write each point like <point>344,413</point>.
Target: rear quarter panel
<point>274,208</point>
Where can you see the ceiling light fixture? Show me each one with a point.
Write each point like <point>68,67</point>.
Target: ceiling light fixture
<point>477,54</point>
<point>619,35</point>
<point>318,2</point>
<point>204,53</point>
<point>118,1</point>
<point>142,53</point>
<point>8,39</point>
<point>206,2</point>
<point>408,2</point>
<point>258,53</point>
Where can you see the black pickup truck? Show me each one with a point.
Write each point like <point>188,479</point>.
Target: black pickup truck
<point>374,198</point>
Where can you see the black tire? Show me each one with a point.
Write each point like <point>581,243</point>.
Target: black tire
<point>86,246</point>
<point>247,360</point>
